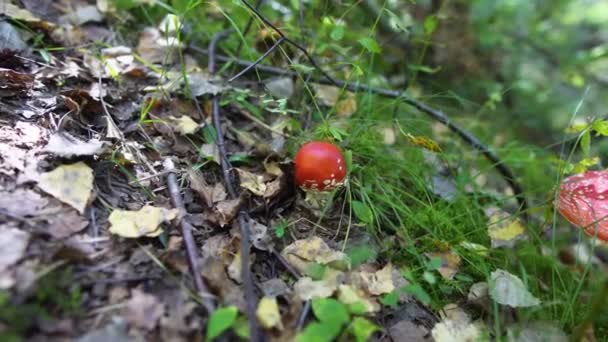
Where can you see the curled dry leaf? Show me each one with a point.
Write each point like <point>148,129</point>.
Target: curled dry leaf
<point>507,289</point>
<point>65,145</point>
<point>143,222</point>
<point>314,249</point>
<point>351,296</point>
<point>227,210</point>
<point>143,310</point>
<point>268,313</point>
<point>252,182</point>
<point>71,184</point>
<point>379,282</point>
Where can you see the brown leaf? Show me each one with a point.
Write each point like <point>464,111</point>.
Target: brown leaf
<point>143,310</point>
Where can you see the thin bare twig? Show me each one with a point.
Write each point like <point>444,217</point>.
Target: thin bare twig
<point>186,228</point>
<point>242,220</point>
<point>259,60</point>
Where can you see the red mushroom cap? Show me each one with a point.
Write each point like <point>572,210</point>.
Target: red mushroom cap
<point>319,166</point>
<point>583,200</point>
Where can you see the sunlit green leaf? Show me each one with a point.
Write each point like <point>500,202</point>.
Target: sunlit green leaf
<point>221,320</point>
<point>370,45</point>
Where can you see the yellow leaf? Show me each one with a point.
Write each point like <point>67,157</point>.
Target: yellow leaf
<point>348,295</point>
<point>306,288</point>
<point>268,313</point>
<point>504,229</point>
<point>71,184</point>
<point>424,142</point>
<point>346,107</point>
<point>184,125</point>
<point>137,223</point>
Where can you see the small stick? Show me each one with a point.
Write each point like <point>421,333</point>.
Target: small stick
<point>243,222</point>
<point>186,229</point>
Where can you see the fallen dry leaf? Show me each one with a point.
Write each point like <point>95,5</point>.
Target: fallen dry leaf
<point>143,310</point>
<point>503,228</point>
<point>448,331</point>
<point>306,288</point>
<point>379,282</point>
<point>70,183</point>
<point>65,145</point>
<point>183,125</point>
<point>346,107</point>
<point>234,269</point>
<point>351,296</point>
<point>316,250</point>
<point>22,202</point>
<point>268,313</point>
<point>252,182</point>
<point>450,262</point>
<point>13,243</point>
<point>143,222</point>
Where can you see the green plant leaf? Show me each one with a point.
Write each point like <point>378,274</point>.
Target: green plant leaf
<point>600,127</point>
<point>330,310</point>
<point>221,320</point>
<point>362,211</point>
<point>362,329</point>
<point>391,299</point>
<point>319,332</point>
<point>337,33</point>
<point>430,24</point>
<point>370,45</point>
<point>418,292</point>
<point>279,230</point>
<point>586,143</point>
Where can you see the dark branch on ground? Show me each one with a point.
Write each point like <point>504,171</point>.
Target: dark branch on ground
<point>242,219</point>
<point>186,229</point>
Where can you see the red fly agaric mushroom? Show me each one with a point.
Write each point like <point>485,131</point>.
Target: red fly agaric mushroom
<point>583,200</point>
<point>319,166</point>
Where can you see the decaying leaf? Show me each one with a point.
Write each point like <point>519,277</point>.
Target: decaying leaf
<point>379,282</point>
<point>350,296</point>
<point>65,145</point>
<point>346,107</point>
<point>22,202</point>
<point>450,262</point>
<point>143,310</point>
<point>235,267</point>
<point>143,222</point>
<point>504,229</point>
<point>70,183</point>
<point>268,313</point>
<point>13,243</point>
<point>507,289</point>
<point>252,182</point>
<point>448,331</point>
<point>227,210</point>
<point>316,250</point>
<point>536,332</point>
<point>424,142</point>
<point>306,288</point>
